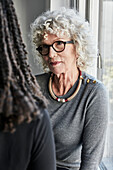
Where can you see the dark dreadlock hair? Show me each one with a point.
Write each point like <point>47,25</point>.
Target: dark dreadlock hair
<point>20,97</point>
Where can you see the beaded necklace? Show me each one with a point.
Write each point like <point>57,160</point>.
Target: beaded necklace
<point>63,100</point>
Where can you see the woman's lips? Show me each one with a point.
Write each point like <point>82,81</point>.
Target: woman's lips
<point>55,63</point>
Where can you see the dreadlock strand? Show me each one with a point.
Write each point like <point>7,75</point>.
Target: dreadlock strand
<point>5,69</point>
<point>19,92</point>
<point>25,100</point>
<point>24,65</point>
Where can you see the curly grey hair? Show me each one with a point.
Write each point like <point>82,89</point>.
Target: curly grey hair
<point>69,22</point>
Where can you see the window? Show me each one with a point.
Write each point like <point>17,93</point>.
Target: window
<point>105,69</point>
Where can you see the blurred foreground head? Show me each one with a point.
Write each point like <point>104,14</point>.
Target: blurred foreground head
<point>20,97</point>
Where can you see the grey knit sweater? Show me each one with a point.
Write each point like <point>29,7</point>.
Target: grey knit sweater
<point>79,125</point>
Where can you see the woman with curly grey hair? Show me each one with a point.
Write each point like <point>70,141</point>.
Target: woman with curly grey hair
<point>77,101</point>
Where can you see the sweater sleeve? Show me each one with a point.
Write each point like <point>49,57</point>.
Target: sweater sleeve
<point>43,152</point>
<point>95,128</point>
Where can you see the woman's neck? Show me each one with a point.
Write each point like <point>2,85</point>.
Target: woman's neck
<point>63,82</point>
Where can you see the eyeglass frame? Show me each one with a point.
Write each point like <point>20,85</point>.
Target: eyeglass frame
<point>64,42</point>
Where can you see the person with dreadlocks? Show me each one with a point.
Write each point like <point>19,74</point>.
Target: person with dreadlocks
<point>26,139</point>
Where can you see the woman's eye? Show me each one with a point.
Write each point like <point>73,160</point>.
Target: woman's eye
<point>59,42</point>
<point>45,46</point>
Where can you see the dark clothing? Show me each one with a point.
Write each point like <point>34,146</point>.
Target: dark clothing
<point>31,147</point>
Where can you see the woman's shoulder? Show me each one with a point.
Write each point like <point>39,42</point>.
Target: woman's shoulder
<point>42,80</point>
<point>89,79</point>
<point>42,75</point>
<point>95,85</point>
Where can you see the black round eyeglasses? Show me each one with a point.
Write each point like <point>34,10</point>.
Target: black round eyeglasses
<point>58,46</point>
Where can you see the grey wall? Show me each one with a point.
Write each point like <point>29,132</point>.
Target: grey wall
<point>27,11</point>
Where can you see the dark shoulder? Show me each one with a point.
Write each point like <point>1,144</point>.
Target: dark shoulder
<point>45,116</point>
<point>42,129</point>
<point>41,122</point>
<point>42,76</point>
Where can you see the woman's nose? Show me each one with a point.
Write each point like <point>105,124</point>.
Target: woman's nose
<point>52,52</point>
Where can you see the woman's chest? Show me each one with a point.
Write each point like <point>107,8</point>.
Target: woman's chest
<point>67,122</point>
